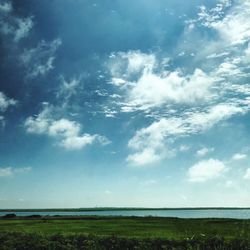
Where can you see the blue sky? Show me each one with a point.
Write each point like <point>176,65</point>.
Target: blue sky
<point>124,103</point>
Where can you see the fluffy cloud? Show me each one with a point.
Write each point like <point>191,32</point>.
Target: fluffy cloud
<point>78,142</point>
<point>11,25</point>
<point>229,20</point>
<point>66,131</point>
<point>238,157</point>
<point>9,171</point>
<point>130,63</point>
<point>247,174</point>
<point>186,101</point>
<point>155,90</point>
<point>145,157</point>
<point>40,123</point>
<point>226,45</point>
<point>63,127</point>
<point>153,142</point>
<point>235,26</point>
<point>38,61</point>
<point>147,86</point>
<point>204,151</point>
<point>6,102</point>
<point>69,131</point>
<point>5,7</point>
<point>206,170</point>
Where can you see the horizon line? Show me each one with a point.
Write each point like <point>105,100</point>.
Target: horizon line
<point>125,208</point>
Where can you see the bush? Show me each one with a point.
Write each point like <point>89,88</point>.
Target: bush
<point>26,241</point>
<point>9,216</point>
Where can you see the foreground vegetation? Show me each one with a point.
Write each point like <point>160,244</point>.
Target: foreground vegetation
<point>35,241</point>
<point>37,232</point>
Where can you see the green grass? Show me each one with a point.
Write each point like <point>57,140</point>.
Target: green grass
<point>147,227</point>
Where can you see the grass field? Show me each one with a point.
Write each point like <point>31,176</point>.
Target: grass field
<point>123,233</point>
<point>136,227</point>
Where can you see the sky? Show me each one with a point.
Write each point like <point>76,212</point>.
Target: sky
<point>119,103</point>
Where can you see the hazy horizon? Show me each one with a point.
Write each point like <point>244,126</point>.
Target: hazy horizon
<point>119,103</point>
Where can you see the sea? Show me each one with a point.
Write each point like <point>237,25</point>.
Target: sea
<point>180,213</point>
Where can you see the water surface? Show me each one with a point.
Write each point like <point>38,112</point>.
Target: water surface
<point>180,213</point>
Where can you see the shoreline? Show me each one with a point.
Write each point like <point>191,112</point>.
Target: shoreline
<point>116,218</point>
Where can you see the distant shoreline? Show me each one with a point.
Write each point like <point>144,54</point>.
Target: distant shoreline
<point>117,209</point>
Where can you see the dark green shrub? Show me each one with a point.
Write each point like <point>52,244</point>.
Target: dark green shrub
<point>9,216</point>
<point>26,241</point>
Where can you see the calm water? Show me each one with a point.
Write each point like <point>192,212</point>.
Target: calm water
<point>206,213</point>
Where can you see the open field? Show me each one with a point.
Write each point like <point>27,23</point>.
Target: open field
<point>106,233</point>
<point>147,227</point>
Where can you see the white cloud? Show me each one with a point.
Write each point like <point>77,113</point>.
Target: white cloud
<point>184,148</point>
<point>149,143</point>
<point>232,24</point>
<point>247,174</point>
<point>77,142</point>
<point>154,90</point>
<point>118,81</point>
<point>64,127</point>
<point>5,7</point>
<point>209,18</point>
<point>43,69</point>
<point>152,86</point>
<point>130,63</point>
<point>9,171</point>
<point>4,172</point>
<point>231,32</point>
<point>205,120</point>
<point>40,123</point>
<point>16,27</point>
<point>72,138</point>
<point>138,61</point>
<point>67,132</point>
<point>183,102</point>
<point>23,28</point>
<point>228,69</point>
<point>68,90</point>
<point>206,170</point>
<point>145,157</point>
<point>204,151</point>
<point>235,26</point>
<point>217,55</point>
<point>153,143</point>
<point>39,61</point>
<point>238,156</point>
<point>6,102</point>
